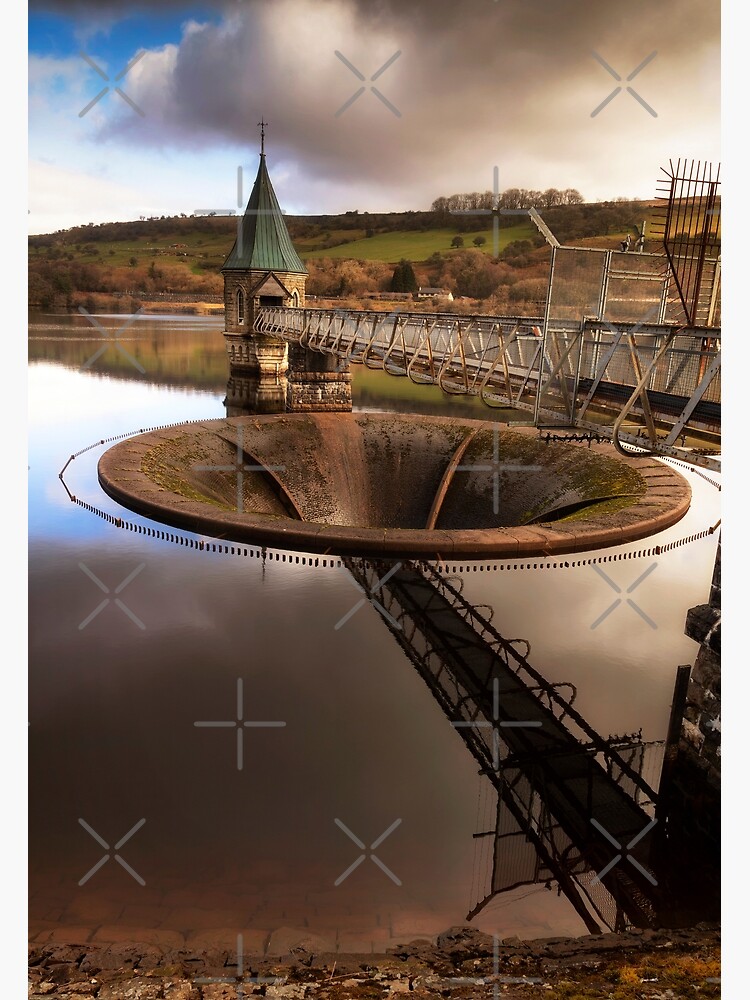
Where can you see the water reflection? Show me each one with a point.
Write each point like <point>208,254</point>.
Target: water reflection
<point>566,795</point>
<point>113,706</point>
<point>251,394</point>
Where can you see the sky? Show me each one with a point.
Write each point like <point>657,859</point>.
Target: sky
<point>448,91</point>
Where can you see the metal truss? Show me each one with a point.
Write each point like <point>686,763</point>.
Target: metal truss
<point>690,230</point>
<point>589,373</point>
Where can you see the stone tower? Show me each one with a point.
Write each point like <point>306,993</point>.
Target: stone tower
<point>262,269</point>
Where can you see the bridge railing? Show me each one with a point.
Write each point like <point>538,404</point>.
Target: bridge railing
<point>563,370</point>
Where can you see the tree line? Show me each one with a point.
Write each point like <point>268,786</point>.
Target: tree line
<point>511,199</point>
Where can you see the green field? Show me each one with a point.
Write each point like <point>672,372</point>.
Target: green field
<point>417,246</point>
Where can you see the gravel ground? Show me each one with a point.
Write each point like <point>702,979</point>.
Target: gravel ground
<point>460,963</point>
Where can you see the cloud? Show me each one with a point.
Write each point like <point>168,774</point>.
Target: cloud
<point>61,198</point>
<point>476,84</point>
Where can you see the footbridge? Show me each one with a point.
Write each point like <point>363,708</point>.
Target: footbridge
<point>651,385</point>
<point>565,794</point>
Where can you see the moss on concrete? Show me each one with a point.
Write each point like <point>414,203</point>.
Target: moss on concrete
<point>371,482</point>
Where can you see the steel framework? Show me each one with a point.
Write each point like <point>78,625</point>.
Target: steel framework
<point>690,230</point>
<point>577,373</point>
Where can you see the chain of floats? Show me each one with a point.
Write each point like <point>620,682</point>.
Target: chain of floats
<point>330,562</point>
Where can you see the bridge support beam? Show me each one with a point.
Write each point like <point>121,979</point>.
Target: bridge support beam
<point>317,382</point>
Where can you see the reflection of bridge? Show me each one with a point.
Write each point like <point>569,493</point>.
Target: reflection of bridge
<point>555,776</point>
<point>580,374</point>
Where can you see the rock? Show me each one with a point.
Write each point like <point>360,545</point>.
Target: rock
<point>288,990</point>
<point>400,986</point>
<point>465,942</point>
<point>286,940</point>
<point>138,988</point>
<point>64,953</point>
<point>180,991</point>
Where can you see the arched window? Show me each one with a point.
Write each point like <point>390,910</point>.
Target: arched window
<point>240,306</point>
<point>295,299</point>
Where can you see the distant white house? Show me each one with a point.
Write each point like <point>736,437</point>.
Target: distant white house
<point>435,293</point>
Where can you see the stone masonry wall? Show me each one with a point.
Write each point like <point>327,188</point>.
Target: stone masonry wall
<point>246,280</point>
<point>316,392</point>
<point>701,726</point>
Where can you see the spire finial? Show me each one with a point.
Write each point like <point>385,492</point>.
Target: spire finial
<point>262,125</point>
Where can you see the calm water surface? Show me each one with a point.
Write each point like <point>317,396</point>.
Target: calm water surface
<point>114,697</point>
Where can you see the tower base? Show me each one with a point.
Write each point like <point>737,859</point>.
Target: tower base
<point>267,357</point>
<point>316,392</point>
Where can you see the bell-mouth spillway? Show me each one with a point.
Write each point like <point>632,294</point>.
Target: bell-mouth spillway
<point>391,484</point>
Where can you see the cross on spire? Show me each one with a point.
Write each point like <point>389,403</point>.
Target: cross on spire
<point>262,125</point>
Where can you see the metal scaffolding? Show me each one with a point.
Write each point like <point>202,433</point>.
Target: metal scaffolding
<point>586,373</point>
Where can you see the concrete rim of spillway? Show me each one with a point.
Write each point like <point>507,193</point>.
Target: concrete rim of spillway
<point>310,455</point>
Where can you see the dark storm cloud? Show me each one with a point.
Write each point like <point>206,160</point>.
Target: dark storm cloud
<point>477,82</point>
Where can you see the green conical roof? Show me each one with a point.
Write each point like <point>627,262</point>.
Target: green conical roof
<point>263,243</point>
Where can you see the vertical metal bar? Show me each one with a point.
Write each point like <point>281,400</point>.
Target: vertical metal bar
<point>545,326</point>
<point>645,403</point>
<point>577,374</point>
<point>662,314</point>
<point>463,356</point>
<point>714,293</point>
<point>604,285</point>
<point>701,263</point>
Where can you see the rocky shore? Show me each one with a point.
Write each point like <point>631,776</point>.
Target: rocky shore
<point>460,963</point>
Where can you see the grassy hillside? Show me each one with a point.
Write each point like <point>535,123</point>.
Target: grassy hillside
<point>418,246</point>
<point>348,255</point>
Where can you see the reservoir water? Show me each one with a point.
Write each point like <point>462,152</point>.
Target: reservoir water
<point>184,636</point>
